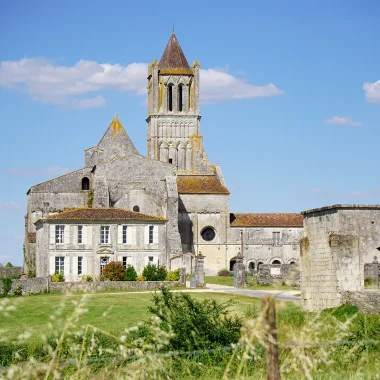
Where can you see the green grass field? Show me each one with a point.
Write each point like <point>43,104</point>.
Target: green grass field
<point>109,312</point>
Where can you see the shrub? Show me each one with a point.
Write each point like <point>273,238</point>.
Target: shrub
<point>173,275</point>
<point>31,274</point>
<point>58,277</point>
<point>8,264</point>
<point>113,271</point>
<point>196,325</point>
<point>130,274</point>
<point>224,272</point>
<point>17,291</point>
<point>87,278</point>
<point>140,278</point>
<point>154,273</point>
<point>7,285</point>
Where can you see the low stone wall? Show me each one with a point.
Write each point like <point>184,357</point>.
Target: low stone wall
<point>368,271</point>
<point>367,301</point>
<point>10,272</point>
<point>269,273</point>
<point>41,285</point>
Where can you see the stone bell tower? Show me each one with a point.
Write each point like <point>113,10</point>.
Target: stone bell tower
<point>173,133</point>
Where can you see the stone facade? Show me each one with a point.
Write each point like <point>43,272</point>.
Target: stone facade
<point>270,273</point>
<point>338,241</point>
<point>175,182</point>
<point>367,301</point>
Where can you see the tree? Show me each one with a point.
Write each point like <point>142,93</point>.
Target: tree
<point>8,264</point>
<point>130,274</point>
<point>113,271</point>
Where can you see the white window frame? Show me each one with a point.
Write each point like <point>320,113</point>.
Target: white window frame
<point>151,234</point>
<point>60,264</point>
<point>104,234</point>
<point>127,261</point>
<point>125,234</point>
<point>80,234</point>
<point>104,260</point>
<point>80,265</point>
<point>276,238</point>
<point>59,234</point>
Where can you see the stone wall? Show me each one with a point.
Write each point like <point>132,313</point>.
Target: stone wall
<point>368,271</point>
<point>10,272</point>
<point>367,301</point>
<point>41,285</point>
<point>269,273</point>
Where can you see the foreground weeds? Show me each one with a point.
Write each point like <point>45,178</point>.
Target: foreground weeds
<point>191,339</point>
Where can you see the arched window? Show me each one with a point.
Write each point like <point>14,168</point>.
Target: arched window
<point>85,183</point>
<point>136,208</point>
<point>180,98</point>
<point>259,264</point>
<point>170,97</point>
<point>276,262</point>
<point>251,266</point>
<point>232,264</point>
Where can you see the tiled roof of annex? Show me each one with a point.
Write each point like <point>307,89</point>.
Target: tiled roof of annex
<point>200,184</point>
<point>102,214</point>
<point>266,220</point>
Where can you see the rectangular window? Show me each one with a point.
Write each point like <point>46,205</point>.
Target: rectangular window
<point>80,234</point>
<point>59,264</point>
<point>151,258</point>
<point>59,234</point>
<point>124,234</point>
<point>104,235</point>
<point>151,229</point>
<point>127,261</point>
<point>103,262</point>
<point>276,238</point>
<point>80,260</point>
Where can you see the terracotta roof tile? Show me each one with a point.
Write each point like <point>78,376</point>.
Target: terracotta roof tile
<point>31,236</point>
<point>103,214</point>
<point>200,184</point>
<point>173,57</point>
<point>266,220</point>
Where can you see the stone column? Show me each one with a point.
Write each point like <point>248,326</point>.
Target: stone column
<point>375,271</point>
<point>239,272</point>
<point>199,271</point>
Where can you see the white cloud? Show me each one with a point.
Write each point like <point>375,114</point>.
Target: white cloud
<point>316,190</point>
<point>47,82</point>
<point>372,91</point>
<point>373,193</point>
<point>10,205</point>
<point>218,85</point>
<point>343,120</point>
<point>52,170</point>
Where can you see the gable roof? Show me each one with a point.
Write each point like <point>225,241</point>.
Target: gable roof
<point>102,214</point>
<point>266,220</point>
<point>200,184</point>
<point>173,57</point>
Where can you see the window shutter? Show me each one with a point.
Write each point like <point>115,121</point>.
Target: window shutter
<point>146,261</point>
<point>52,234</point>
<point>66,267</point>
<point>89,235</point>
<point>119,234</point>
<point>75,234</point>
<point>130,238</point>
<point>75,265</point>
<point>52,264</point>
<point>155,234</point>
<point>66,236</point>
<point>134,235</point>
<point>84,265</point>
<point>146,235</point>
<point>84,235</point>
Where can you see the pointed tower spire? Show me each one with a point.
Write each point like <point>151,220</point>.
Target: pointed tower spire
<point>173,57</point>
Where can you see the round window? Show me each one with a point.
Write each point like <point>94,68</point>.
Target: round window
<point>208,234</point>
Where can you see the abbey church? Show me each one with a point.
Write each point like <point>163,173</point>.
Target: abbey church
<point>162,208</point>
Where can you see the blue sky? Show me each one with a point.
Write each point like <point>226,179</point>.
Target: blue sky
<point>290,94</point>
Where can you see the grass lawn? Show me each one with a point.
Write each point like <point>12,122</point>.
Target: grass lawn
<point>251,283</point>
<point>109,312</point>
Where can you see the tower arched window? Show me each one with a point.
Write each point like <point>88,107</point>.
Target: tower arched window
<point>180,98</point>
<point>136,208</point>
<point>170,97</point>
<point>85,183</point>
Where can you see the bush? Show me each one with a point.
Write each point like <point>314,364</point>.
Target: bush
<point>7,285</point>
<point>113,271</point>
<point>224,272</point>
<point>58,277</point>
<point>8,264</point>
<point>31,274</point>
<point>154,273</point>
<point>130,274</point>
<point>17,291</point>
<point>87,278</point>
<point>140,278</point>
<point>174,275</point>
<point>196,324</point>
